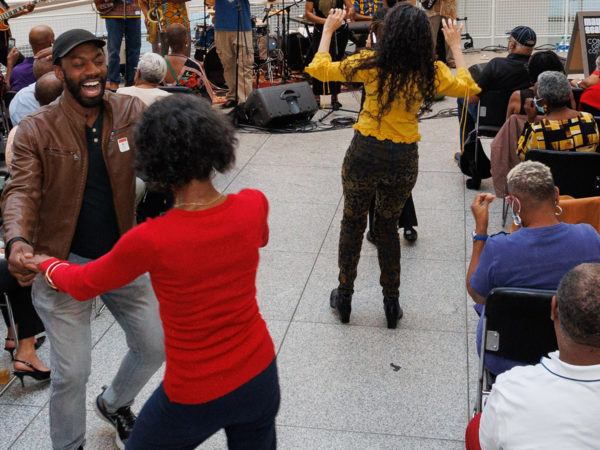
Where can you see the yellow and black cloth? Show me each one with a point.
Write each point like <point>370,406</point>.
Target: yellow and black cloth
<point>579,134</point>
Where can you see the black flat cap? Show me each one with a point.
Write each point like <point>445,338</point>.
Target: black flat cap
<point>71,39</point>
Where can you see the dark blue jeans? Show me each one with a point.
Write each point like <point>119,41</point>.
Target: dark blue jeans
<point>247,415</point>
<point>131,29</point>
<point>468,121</point>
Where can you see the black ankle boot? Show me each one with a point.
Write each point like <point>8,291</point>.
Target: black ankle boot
<point>393,312</point>
<point>342,303</point>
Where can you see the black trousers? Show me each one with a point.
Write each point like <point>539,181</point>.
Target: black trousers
<point>20,300</point>
<point>408,218</point>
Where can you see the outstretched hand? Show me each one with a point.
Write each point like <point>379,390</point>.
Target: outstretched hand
<point>452,32</point>
<point>335,19</point>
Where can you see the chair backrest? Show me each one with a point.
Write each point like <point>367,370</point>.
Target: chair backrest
<point>476,69</point>
<point>575,173</point>
<point>176,89</point>
<point>519,325</point>
<point>589,109</point>
<point>577,95</point>
<point>492,111</point>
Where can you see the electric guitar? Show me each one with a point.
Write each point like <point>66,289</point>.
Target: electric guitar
<point>428,4</point>
<point>5,15</point>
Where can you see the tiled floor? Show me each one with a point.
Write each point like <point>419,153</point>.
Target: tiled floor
<point>339,389</point>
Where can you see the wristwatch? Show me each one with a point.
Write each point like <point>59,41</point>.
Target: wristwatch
<point>479,237</point>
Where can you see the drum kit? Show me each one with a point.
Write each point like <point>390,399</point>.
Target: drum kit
<point>275,57</point>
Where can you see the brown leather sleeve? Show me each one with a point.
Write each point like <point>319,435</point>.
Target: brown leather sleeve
<point>22,193</point>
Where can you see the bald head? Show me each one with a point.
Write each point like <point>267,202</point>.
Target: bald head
<point>176,36</point>
<point>41,37</point>
<point>47,88</point>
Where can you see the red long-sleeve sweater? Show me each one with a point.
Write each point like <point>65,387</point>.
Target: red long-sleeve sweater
<point>203,270</point>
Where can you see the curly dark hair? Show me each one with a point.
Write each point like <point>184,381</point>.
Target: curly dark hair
<point>404,60</point>
<point>181,138</point>
<point>541,62</point>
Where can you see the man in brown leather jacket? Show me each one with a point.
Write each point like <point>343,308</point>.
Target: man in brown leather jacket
<point>71,195</point>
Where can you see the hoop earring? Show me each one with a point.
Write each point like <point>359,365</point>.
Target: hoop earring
<point>560,210</point>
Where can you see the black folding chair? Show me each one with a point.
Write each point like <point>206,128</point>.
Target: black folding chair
<point>575,173</point>
<point>516,326</point>
<point>491,115</point>
<point>589,109</point>
<point>176,89</point>
<point>5,302</point>
<point>577,95</point>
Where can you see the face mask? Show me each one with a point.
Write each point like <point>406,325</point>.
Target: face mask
<point>538,107</point>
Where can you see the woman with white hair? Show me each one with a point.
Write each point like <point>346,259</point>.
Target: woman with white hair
<point>150,73</point>
<point>562,128</point>
<point>535,256</point>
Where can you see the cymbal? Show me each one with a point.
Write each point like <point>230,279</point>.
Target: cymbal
<point>264,2</point>
<point>276,12</point>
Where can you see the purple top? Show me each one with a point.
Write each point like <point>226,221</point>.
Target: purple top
<point>534,258</point>
<point>22,75</point>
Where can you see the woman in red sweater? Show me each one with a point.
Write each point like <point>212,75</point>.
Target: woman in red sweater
<point>202,257</point>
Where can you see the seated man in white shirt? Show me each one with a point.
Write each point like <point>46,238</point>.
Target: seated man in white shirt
<point>556,403</point>
<point>24,102</point>
<point>150,73</point>
<point>47,89</point>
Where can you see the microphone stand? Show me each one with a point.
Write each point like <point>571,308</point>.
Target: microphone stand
<point>237,49</point>
<point>125,37</point>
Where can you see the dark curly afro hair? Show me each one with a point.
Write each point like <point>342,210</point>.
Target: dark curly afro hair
<point>180,138</point>
<point>403,59</point>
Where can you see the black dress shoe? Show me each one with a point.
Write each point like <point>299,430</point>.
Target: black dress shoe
<point>370,237</point>
<point>342,304</point>
<point>229,104</point>
<point>410,234</point>
<point>473,184</point>
<point>393,312</point>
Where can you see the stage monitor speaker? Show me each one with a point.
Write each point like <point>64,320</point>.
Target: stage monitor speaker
<point>278,106</point>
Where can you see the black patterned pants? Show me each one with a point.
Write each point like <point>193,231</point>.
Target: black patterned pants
<point>387,171</point>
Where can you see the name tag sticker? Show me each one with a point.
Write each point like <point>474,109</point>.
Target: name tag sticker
<point>123,145</point>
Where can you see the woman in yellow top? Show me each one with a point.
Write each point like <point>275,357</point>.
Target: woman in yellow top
<point>561,128</point>
<point>399,76</point>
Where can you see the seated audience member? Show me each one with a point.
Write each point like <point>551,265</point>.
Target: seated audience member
<point>21,75</point>
<point>590,97</point>
<point>538,63</point>
<point>24,102</point>
<point>556,403</point>
<point>562,128</point>
<point>590,81</point>
<point>535,256</point>
<point>502,74</point>
<point>202,257</point>
<point>47,89</point>
<point>182,71</point>
<point>150,73</point>
<point>26,362</point>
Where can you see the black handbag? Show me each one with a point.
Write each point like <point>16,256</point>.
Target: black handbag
<point>428,4</point>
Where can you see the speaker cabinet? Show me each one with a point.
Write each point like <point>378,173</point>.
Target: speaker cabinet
<point>278,106</point>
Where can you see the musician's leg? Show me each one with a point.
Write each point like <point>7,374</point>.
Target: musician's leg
<point>115,29</point>
<point>225,41</point>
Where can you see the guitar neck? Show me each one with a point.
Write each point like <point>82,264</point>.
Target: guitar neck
<point>12,12</point>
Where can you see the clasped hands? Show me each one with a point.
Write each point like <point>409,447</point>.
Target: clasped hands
<point>24,264</point>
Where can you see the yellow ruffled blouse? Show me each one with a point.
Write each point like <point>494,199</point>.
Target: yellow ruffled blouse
<point>398,125</point>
